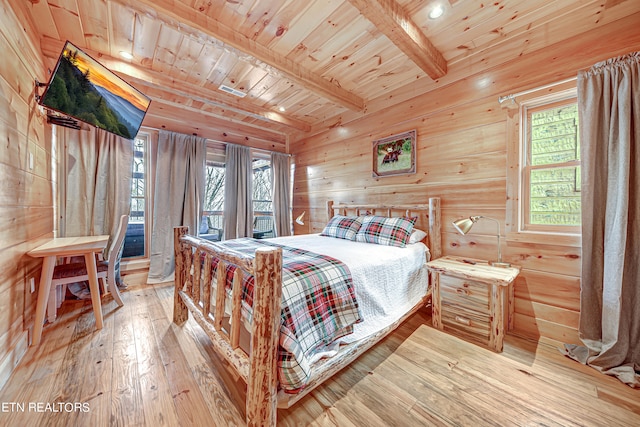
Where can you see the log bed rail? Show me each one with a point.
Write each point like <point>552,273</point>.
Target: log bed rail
<point>258,366</point>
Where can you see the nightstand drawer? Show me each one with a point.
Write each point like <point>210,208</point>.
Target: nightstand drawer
<point>465,294</point>
<point>469,323</point>
<point>465,307</point>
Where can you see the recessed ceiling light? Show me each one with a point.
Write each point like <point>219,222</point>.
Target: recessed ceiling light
<point>281,109</point>
<point>126,55</point>
<point>436,12</point>
<point>483,82</point>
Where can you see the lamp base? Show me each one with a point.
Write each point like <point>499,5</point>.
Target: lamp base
<point>500,264</point>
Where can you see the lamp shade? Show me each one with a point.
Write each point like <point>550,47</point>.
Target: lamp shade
<point>300,218</point>
<point>464,225</point>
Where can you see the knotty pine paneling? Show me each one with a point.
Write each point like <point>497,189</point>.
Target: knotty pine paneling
<point>565,292</point>
<point>462,157</point>
<point>14,232</point>
<point>536,326</point>
<point>23,187</point>
<point>616,34</point>
<point>26,192</point>
<point>561,316</point>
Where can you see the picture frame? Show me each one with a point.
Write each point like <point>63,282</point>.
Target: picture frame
<point>394,155</point>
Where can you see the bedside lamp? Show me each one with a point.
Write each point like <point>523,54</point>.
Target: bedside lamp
<point>464,225</point>
<point>300,218</point>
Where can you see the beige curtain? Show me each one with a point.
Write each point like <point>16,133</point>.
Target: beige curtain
<point>178,199</point>
<point>281,199</point>
<point>97,170</point>
<point>238,192</point>
<point>609,106</point>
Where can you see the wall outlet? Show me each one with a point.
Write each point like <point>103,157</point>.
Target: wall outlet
<point>32,284</point>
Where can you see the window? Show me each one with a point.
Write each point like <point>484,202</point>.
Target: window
<point>134,242</point>
<point>550,180</point>
<point>214,197</point>
<point>262,187</point>
<point>214,188</point>
<point>214,191</point>
<point>263,226</point>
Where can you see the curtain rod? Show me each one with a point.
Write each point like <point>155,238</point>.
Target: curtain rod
<point>216,140</point>
<point>501,99</point>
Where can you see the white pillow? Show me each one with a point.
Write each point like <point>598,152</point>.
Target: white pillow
<point>417,236</point>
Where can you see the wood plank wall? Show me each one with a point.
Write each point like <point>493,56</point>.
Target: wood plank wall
<point>462,157</point>
<point>26,197</point>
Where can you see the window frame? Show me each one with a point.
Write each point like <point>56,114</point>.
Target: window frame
<point>527,109</point>
<point>216,157</point>
<point>144,178</point>
<point>148,202</point>
<point>516,139</point>
<point>257,156</point>
<point>133,264</point>
<point>215,225</point>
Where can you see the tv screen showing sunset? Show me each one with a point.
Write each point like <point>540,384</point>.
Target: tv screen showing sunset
<point>84,89</point>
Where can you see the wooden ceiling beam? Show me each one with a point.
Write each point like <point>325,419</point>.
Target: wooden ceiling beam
<point>51,48</point>
<point>395,23</point>
<point>165,114</point>
<point>165,10</point>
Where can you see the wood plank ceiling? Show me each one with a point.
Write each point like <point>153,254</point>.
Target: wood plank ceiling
<point>303,65</point>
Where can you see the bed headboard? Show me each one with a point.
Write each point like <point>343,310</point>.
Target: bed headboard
<point>428,217</point>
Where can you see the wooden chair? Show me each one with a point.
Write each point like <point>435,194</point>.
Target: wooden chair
<point>73,272</point>
<point>263,227</point>
<point>208,230</point>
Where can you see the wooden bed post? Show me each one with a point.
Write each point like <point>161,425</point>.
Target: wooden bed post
<point>262,387</point>
<point>330,211</point>
<point>180,310</point>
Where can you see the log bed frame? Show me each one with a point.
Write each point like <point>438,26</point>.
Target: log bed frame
<point>258,369</point>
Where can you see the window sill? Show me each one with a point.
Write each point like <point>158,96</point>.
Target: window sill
<point>127,266</point>
<point>545,238</point>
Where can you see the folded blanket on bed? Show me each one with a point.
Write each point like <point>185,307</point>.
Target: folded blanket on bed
<point>318,306</point>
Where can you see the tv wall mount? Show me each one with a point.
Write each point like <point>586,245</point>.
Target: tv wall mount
<point>38,86</point>
<point>54,117</point>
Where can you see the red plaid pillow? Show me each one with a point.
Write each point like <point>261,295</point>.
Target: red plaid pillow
<point>386,231</point>
<point>342,227</point>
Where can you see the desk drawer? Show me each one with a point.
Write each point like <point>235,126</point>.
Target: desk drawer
<point>465,307</point>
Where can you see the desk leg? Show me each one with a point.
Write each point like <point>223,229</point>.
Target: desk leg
<point>92,272</point>
<point>43,296</point>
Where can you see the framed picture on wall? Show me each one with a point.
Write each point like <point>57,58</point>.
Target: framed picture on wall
<point>395,155</point>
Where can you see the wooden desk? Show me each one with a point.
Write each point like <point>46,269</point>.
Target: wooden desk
<point>64,247</point>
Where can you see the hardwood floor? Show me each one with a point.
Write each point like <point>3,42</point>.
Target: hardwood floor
<point>142,370</point>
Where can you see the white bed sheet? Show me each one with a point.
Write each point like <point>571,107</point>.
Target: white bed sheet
<point>388,281</point>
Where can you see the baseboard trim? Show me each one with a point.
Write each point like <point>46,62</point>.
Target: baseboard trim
<point>13,357</point>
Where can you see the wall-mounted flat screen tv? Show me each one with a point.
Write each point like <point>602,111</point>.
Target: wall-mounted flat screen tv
<point>84,89</point>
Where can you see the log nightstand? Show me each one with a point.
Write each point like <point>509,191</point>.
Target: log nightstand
<point>473,299</point>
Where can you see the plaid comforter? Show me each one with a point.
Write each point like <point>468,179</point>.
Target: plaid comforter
<point>318,306</point>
